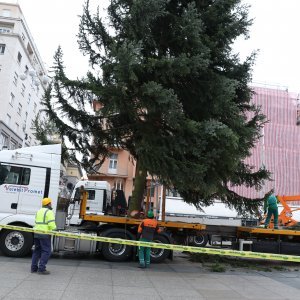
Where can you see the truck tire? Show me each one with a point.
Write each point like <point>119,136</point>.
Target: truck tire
<point>16,243</point>
<point>116,252</point>
<point>199,240</point>
<point>159,255</point>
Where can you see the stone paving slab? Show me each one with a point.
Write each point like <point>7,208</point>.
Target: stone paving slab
<point>93,278</point>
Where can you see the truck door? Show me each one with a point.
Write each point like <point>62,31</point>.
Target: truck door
<point>95,201</point>
<point>38,188</point>
<point>21,188</point>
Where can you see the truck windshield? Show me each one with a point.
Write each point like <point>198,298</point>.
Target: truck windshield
<point>91,194</point>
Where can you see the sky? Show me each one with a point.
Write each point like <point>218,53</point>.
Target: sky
<point>274,34</point>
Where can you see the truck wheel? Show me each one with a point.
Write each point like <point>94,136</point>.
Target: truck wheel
<point>199,240</point>
<point>159,255</point>
<point>116,252</point>
<point>16,243</point>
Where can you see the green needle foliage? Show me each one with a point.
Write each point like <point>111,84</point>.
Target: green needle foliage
<point>172,93</point>
<point>47,133</point>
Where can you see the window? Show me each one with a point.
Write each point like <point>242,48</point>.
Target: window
<point>172,193</point>
<point>77,195</point>
<point>29,139</point>
<point>29,49</point>
<point>23,89</point>
<point>12,99</point>
<point>25,121</point>
<point>8,119</point>
<point>118,184</point>
<point>34,107</point>
<point>5,12</point>
<point>13,145</point>
<point>29,98</point>
<point>91,194</point>
<point>4,29</point>
<point>23,37</point>
<point>4,140</point>
<point>19,57</point>
<point>19,108</point>
<point>14,175</point>
<point>15,79</point>
<point>17,126</point>
<point>113,161</point>
<point>2,48</point>
<point>152,191</point>
<point>34,61</point>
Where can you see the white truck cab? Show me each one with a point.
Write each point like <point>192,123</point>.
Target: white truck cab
<point>99,199</point>
<point>27,175</point>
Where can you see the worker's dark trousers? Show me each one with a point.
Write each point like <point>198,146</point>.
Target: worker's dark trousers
<point>274,212</point>
<point>144,254</point>
<point>41,254</point>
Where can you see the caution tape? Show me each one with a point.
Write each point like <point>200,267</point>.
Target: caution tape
<point>235,253</point>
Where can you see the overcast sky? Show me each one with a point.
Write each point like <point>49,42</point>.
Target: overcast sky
<point>274,33</point>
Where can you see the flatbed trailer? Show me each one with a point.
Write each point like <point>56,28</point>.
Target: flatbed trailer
<point>132,221</point>
<point>280,241</point>
<point>266,232</point>
<point>259,239</point>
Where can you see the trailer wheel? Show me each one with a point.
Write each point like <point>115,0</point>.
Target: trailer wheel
<point>159,255</point>
<point>16,243</point>
<point>199,240</point>
<point>116,252</point>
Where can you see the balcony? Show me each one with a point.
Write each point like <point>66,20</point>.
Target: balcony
<point>112,171</point>
<point>119,171</point>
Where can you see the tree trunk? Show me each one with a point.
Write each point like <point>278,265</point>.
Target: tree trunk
<point>139,189</point>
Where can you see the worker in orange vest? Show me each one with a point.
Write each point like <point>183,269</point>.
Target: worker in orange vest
<point>146,231</point>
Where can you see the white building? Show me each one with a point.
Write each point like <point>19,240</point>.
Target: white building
<point>22,79</point>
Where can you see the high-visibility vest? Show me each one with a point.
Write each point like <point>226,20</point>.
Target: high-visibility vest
<point>147,229</point>
<point>44,219</point>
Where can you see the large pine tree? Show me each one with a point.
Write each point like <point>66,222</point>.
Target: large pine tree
<point>172,93</point>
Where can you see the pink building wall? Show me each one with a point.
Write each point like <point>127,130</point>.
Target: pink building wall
<point>279,148</point>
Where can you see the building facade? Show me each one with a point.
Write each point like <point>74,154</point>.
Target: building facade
<point>279,146</point>
<point>118,170</point>
<point>22,79</point>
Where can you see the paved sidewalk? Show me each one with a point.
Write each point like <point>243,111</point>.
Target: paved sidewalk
<point>92,278</point>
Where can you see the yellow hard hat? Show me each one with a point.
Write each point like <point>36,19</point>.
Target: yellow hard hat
<point>46,201</point>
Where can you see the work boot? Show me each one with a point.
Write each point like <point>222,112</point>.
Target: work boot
<point>43,272</point>
<point>33,271</point>
<point>142,266</point>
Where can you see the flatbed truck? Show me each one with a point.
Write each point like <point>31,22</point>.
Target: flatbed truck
<point>29,174</point>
